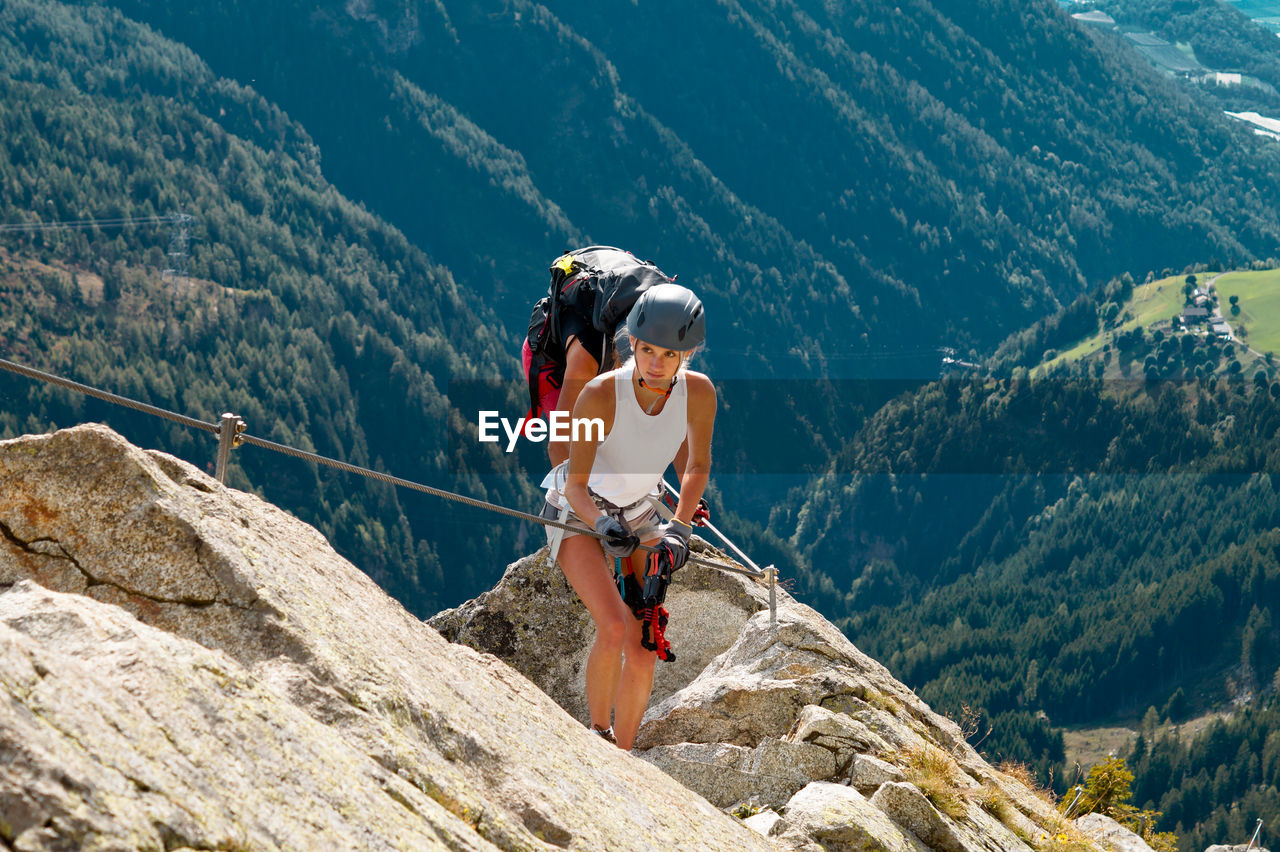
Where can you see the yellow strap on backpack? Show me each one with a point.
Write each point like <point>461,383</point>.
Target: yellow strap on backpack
<point>564,264</point>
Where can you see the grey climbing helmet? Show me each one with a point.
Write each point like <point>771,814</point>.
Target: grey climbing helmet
<point>670,316</point>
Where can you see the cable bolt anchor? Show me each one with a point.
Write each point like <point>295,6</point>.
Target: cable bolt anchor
<point>230,430</point>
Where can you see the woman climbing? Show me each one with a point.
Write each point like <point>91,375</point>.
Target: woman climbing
<point>649,406</point>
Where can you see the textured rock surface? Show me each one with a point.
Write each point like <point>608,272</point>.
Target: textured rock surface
<point>840,818</point>
<point>1111,835</point>
<point>116,731</point>
<point>911,809</point>
<point>511,621</point>
<point>867,773</point>
<point>729,774</point>
<point>251,689</point>
<point>792,717</point>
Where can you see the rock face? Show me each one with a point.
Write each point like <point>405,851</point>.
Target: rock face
<point>533,621</point>
<point>1111,835</point>
<point>130,736</point>
<point>791,719</point>
<point>185,666</point>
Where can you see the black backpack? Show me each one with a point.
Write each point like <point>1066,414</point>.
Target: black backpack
<point>599,283</point>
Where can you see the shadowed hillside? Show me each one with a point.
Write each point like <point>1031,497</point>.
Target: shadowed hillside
<point>826,176</point>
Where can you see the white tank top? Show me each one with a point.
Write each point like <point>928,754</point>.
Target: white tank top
<point>630,461</point>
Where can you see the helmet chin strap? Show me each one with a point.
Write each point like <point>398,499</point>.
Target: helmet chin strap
<point>665,393</point>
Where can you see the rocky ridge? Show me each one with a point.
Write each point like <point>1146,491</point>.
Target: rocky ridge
<point>183,666</point>
<point>790,721</point>
<point>186,667</point>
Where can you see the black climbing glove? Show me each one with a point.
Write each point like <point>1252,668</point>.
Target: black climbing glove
<point>618,540</point>
<point>674,545</point>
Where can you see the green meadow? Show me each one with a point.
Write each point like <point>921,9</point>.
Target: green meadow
<point>1259,295</point>
<point>1153,302</point>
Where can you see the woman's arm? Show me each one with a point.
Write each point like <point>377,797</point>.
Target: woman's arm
<point>697,469</point>
<point>580,367</point>
<point>595,401</point>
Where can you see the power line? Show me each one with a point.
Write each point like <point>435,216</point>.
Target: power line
<point>178,256</point>
<point>83,224</point>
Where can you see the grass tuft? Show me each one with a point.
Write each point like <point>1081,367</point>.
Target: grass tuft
<point>993,800</point>
<point>1065,839</point>
<point>1021,773</point>
<point>937,775</point>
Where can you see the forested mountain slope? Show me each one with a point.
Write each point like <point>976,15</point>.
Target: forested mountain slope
<point>1220,37</point>
<point>1058,548</point>
<point>826,175</point>
<point>926,157</point>
<point>319,324</point>
<point>1217,784</point>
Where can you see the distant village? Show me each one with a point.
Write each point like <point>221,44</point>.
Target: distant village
<point>1200,313</point>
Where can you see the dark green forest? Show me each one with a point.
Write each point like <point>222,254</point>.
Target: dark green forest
<point>321,326</point>
<point>1067,549</point>
<point>1212,788</point>
<point>825,175</point>
<point>975,483</point>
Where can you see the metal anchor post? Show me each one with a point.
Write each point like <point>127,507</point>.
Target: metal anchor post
<point>1254,839</point>
<point>230,427</point>
<point>773,595</point>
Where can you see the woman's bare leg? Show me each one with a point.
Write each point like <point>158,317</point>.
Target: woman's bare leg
<point>589,573</point>
<point>636,682</point>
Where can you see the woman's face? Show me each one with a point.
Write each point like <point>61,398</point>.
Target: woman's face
<point>657,366</point>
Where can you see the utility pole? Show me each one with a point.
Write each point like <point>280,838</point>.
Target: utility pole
<point>178,268</point>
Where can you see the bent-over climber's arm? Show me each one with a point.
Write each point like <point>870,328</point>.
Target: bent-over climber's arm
<point>580,367</point>
<point>595,401</point>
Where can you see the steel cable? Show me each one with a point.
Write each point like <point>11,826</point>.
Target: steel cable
<point>215,429</point>
<point>106,396</point>
<point>457,498</point>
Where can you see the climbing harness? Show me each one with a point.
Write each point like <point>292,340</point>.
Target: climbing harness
<point>619,513</point>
